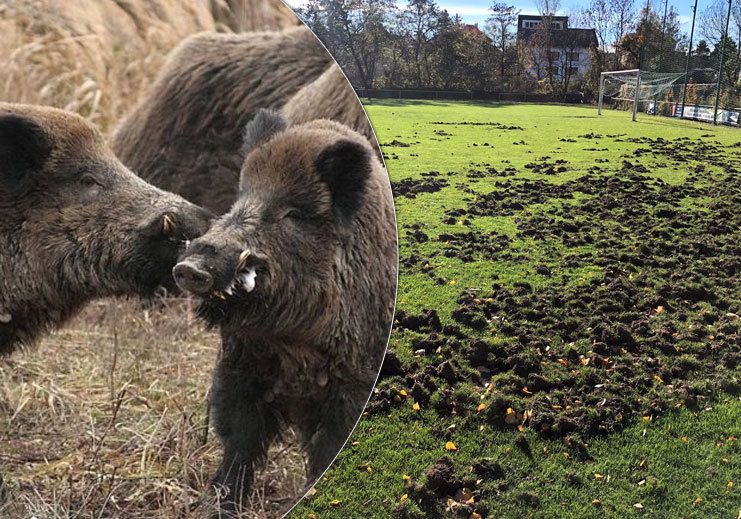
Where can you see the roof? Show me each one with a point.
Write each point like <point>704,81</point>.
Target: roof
<point>581,38</point>
<point>537,17</point>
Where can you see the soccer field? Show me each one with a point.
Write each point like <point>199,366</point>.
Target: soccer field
<point>567,332</point>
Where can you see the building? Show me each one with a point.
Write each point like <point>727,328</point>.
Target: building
<point>567,50</point>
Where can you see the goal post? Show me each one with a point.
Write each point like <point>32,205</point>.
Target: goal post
<point>629,88</point>
<point>603,77</point>
<point>637,95</point>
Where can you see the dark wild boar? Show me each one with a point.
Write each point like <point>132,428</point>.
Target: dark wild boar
<point>185,134</point>
<point>330,96</point>
<point>300,278</point>
<point>75,224</point>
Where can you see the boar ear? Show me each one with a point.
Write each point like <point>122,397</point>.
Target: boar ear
<point>24,148</point>
<point>265,125</point>
<point>345,166</point>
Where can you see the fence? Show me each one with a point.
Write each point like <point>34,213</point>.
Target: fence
<point>454,95</point>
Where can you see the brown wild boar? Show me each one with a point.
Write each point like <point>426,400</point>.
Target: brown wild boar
<point>330,96</point>
<point>185,134</point>
<point>75,224</point>
<point>300,278</point>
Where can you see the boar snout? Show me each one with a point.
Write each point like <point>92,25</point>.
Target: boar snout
<point>192,277</point>
<point>182,223</point>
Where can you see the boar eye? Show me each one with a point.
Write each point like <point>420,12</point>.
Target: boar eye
<point>89,181</point>
<point>293,214</point>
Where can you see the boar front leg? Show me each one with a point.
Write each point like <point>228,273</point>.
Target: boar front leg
<point>334,419</point>
<point>246,426</point>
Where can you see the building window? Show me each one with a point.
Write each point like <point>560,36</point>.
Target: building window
<point>573,56</point>
<point>558,25</point>
<point>555,55</point>
<point>573,71</point>
<point>530,24</point>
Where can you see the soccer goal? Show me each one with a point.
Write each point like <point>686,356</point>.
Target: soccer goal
<point>630,88</point>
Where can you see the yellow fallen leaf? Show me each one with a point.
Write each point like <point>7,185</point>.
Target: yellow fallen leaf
<point>563,362</point>
<point>481,407</point>
<point>415,407</point>
<point>403,392</point>
<point>465,496</point>
<point>697,501</point>
<point>335,503</point>
<point>639,506</point>
<point>406,477</point>
<point>450,446</point>
<point>730,484</point>
<point>475,515</point>
<point>597,475</point>
<point>404,498</point>
<point>596,502</point>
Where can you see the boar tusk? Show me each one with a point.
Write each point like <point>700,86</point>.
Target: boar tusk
<point>243,260</point>
<point>168,225</point>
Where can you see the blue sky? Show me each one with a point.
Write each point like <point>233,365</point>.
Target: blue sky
<point>475,11</point>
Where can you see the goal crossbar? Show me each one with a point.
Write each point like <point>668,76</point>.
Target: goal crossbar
<point>634,85</point>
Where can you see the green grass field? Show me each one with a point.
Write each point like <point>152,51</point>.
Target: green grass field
<point>585,274</point>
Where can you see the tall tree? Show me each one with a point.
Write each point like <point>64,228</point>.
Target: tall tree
<point>420,20</point>
<point>657,43</point>
<point>611,20</point>
<point>729,75</point>
<point>355,31</point>
<point>712,20</point>
<point>502,18</point>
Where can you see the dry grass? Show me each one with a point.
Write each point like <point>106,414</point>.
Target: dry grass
<point>96,57</point>
<point>107,418</point>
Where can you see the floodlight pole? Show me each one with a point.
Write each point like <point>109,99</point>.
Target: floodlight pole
<point>636,95</point>
<point>689,56</point>
<point>720,69</point>
<point>640,60</point>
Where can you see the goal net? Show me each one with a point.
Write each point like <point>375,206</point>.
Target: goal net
<point>641,90</point>
<point>670,94</point>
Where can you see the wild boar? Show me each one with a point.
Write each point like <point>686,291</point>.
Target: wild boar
<point>75,224</point>
<point>300,278</point>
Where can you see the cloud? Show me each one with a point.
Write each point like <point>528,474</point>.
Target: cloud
<point>465,10</point>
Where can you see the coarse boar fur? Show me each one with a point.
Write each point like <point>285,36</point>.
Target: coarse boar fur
<point>300,277</point>
<point>185,134</point>
<point>75,224</point>
<point>330,96</point>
